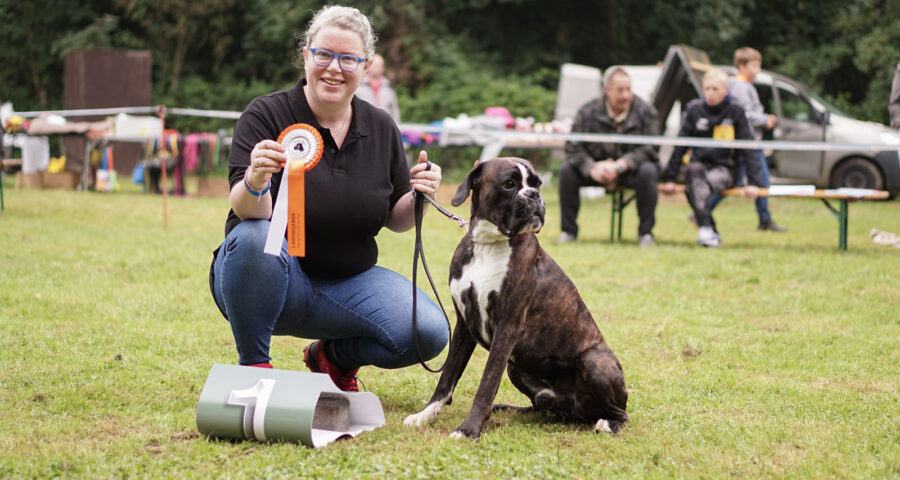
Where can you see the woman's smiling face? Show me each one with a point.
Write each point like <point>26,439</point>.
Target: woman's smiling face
<point>330,86</point>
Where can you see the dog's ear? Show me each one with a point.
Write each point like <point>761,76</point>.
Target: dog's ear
<point>470,182</point>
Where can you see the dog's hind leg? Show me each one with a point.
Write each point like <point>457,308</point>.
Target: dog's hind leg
<point>524,384</point>
<point>600,394</point>
<point>544,396</point>
<point>498,407</point>
<point>461,347</point>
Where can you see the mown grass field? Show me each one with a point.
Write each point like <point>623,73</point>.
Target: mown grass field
<point>775,356</point>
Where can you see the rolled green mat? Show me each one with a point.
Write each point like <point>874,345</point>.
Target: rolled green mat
<point>248,403</point>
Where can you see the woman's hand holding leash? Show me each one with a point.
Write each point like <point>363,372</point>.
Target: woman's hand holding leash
<point>426,176</point>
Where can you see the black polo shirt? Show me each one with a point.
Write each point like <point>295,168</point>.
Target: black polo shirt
<point>349,194</point>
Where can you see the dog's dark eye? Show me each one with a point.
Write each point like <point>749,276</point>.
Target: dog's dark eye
<point>534,182</point>
<point>509,184</point>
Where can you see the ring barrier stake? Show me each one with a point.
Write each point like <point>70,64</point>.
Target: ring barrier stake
<point>249,403</point>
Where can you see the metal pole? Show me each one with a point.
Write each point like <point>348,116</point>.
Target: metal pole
<point>842,241</point>
<point>612,215</point>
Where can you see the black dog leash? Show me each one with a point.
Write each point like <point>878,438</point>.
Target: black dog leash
<point>419,211</point>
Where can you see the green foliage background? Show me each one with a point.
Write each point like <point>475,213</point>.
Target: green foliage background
<point>448,57</point>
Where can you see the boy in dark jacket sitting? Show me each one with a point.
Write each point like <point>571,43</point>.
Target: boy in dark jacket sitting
<point>712,170</point>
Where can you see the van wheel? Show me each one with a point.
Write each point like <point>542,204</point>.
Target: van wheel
<point>857,173</point>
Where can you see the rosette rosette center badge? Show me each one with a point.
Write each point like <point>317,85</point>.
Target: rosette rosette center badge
<point>303,149</point>
<point>302,144</point>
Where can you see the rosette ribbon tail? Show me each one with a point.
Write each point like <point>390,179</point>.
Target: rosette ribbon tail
<point>278,225</point>
<point>303,149</point>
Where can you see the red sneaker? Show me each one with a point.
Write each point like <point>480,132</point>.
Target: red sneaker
<point>314,358</point>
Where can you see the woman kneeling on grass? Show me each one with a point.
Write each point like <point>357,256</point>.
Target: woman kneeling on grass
<point>358,312</point>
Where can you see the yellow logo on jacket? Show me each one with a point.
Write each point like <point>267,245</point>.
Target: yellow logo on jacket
<point>723,132</point>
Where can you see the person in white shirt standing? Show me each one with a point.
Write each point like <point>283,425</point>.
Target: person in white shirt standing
<point>748,62</point>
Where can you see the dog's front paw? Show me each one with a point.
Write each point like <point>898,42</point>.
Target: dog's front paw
<point>467,430</point>
<point>428,414</point>
<point>460,434</point>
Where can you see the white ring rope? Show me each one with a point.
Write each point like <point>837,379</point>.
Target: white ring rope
<point>486,136</point>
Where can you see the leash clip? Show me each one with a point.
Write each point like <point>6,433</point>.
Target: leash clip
<point>461,221</point>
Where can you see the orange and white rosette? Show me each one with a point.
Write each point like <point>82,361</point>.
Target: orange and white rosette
<point>303,149</point>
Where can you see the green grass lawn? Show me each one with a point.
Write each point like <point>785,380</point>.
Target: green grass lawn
<point>774,356</point>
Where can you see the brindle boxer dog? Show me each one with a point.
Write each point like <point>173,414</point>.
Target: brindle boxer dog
<point>515,301</point>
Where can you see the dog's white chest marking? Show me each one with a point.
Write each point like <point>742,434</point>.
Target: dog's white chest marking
<point>484,273</point>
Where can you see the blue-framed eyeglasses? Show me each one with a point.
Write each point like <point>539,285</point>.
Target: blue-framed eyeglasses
<point>347,62</point>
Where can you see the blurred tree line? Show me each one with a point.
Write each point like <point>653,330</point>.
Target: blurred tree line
<point>448,57</point>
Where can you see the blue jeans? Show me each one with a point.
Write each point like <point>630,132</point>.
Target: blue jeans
<point>762,203</point>
<point>367,318</point>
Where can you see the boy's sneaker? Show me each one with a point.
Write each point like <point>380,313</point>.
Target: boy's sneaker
<point>707,237</point>
<point>646,240</point>
<point>314,358</point>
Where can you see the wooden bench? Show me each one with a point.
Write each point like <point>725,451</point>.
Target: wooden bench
<point>841,213</point>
